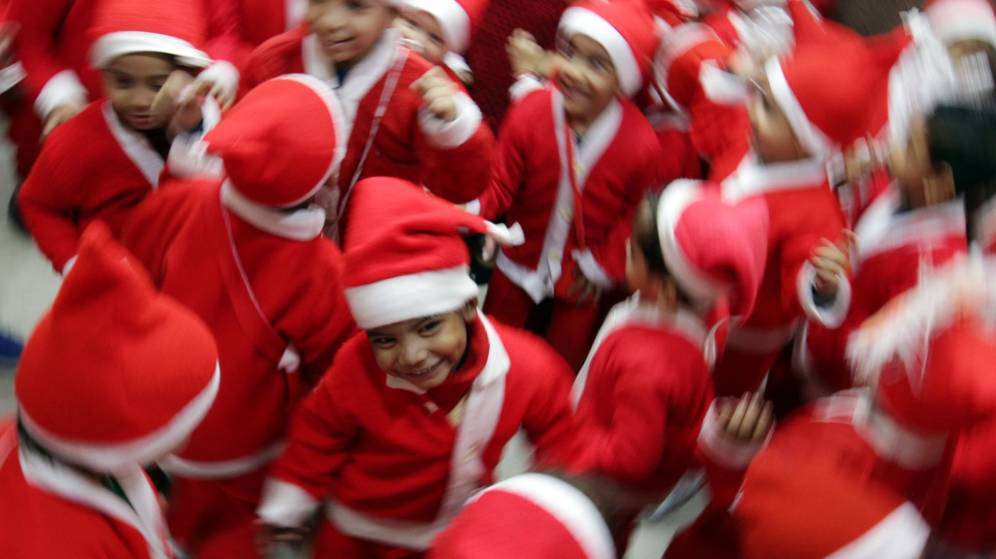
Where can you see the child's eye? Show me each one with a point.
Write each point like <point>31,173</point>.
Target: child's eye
<point>599,65</point>
<point>123,82</point>
<point>356,5</point>
<point>436,39</point>
<point>430,328</point>
<point>383,342</point>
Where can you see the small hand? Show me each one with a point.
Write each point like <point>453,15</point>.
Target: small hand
<point>583,288</point>
<point>438,94</point>
<point>59,115</point>
<point>526,55</point>
<point>747,420</point>
<point>832,262</point>
<point>269,537</point>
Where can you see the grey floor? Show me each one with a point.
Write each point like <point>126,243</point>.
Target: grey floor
<point>28,284</point>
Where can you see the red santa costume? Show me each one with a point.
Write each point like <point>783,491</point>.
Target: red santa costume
<point>925,359</point>
<point>459,20</point>
<point>825,118</point>
<point>226,250</point>
<point>810,509</point>
<point>114,377</point>
<point>645,387</point>
<point>573,198</point>
<point>530,516</point>
<point>94,167</point>
<point>397,462</point>
<point>390,133</point>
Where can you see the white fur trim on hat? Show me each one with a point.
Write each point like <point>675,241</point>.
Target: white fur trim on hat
<point>676,198</point>
<point>811,137</point>
<point>120,43</point>
<point>411,296</point>
<point>572,508</point>
<point>901,535</point>
<point>112,458</point>
<point>452,19</point>
<point>338,124</point>
<point>579,21</point>
<point>963,20</point>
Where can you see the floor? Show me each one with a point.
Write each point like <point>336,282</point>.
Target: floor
<point>28,284</point>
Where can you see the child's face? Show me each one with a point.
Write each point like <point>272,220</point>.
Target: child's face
<point>637,272</point>
<point>910,164</point>
<point>773,137</point>
<point>422,29</point>
<point>585,75</point>
<point>131,83</point>
<point>348,29</point>
<point>423,351</point>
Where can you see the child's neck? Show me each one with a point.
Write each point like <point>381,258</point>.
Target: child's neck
<point>580,123</point>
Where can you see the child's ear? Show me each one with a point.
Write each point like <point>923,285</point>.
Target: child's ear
<point>469,311</point>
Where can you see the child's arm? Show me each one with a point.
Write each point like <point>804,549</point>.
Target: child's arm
<point>55,90</point>
<point>453,138</point>
<point>330,323</point>
<point>815,276</point>
<point>321,431</point>
<point>530,63</point>
<point>630,448</point>
<point>733,433</point>
<point>48,202</point>
<point>226,48</point>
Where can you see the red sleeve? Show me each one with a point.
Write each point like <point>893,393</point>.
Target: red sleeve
<point>507,176</point>
<point>631,446</point>
<point>458,174</point>
<point>48,201</point>
<point>150,231</point>
<point>321,431</point>
<point>826,223</point>
<point>549,420</point>
<point>40,22</point>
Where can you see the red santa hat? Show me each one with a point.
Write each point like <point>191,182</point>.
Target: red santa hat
<point>711,248</point>
<point>457,18</point>
<point>962,20</point>
<point>282,141</point>
<point>929,354</point>
<point>173,27</point>
<point>809,509</point>
<point>624,28</point>
<point>530,516</point>
<point>823,85</point>
<point>405,256</point>
<point>115,374</point>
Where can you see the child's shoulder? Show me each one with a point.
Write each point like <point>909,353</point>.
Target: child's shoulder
<point>272,58</point>
<point>80,142</point>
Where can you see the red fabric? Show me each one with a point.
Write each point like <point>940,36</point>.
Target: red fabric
<point>365,444</point>
<point>184,20</point>
<point>224,31</point>
<point>400,148</point>
<point>646,394</point>
<point>879,278</point>
<point>800,218</point>
<point>681,159</point>
<point>179,235</point>
<point>970,518</point>
<point>83,175</point>
<point>261,151</point>
<point>215,518</point>
<point>54,37</point>
<point>261,20</point>
<point>36,524</point>
<point>528,172</point>
<point>139,357</point>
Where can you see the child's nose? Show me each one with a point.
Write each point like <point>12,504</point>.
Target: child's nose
<point>412,354</point>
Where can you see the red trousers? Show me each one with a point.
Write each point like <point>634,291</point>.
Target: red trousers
<point>216,519</point>
<point>568,327</point>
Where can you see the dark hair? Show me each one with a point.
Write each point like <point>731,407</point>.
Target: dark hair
<point>645,234</point>
<point>963,137</point>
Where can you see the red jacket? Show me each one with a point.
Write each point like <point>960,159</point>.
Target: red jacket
<point>383,451</point>
<point>50,511</point>
<point>616,163</point>
<point>273,303</point>
<point>642,396</point>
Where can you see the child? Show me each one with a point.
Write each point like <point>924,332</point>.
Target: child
<point>413,416</point>
<point>403,118</point>
<point>441,31</point>
<point>535,516</point>
<point>645,387</point>
<point>575,158</point>
<point>801,116</point>
<point>114,377</point>
<point>104,163</point>
<point>246,254</point>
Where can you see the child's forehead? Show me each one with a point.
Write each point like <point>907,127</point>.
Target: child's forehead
<point>585,43</point>
<point>142,64</point>
<point>405,326</point>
